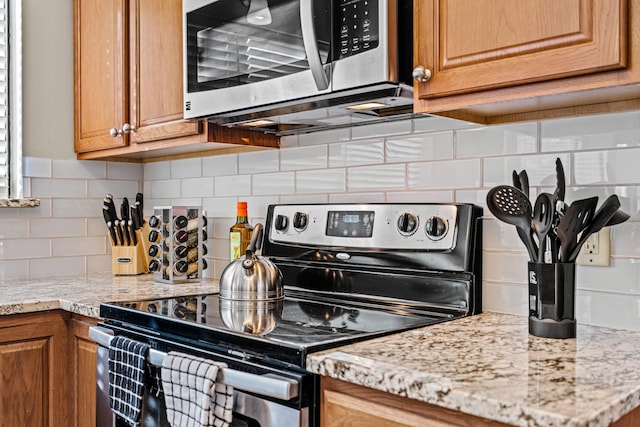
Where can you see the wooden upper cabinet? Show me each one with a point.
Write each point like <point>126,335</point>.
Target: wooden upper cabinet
<point>128,73</point>
<point>481,52</point>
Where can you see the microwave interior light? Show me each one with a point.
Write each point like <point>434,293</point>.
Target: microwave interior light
<point>258,123</point>
<point>366,106</point>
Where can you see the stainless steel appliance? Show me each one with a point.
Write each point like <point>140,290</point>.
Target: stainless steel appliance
<point>351,272</point>
<point>289,64</point>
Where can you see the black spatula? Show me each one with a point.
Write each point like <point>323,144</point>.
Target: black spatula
<point>575,220</point>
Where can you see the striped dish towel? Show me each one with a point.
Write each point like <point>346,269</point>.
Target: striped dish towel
<point>127,362</point>
<point>191,393</point>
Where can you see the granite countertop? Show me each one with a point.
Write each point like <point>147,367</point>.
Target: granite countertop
<point>83,294</point>
<point>489,366</point>
<point>486,365</point>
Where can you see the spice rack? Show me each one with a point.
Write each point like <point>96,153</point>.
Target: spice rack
<point>176,243</point>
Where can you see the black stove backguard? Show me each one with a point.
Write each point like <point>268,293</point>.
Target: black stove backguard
<point>422,253</point>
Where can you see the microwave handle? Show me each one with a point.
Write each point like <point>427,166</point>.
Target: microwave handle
<point>311,45</point>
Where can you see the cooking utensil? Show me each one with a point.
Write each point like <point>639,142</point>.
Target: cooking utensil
<point>512,206</point>
<point>618,218</point>
<point>542,221</point>
<point>524,182</point>
<point>559,193</point>
<point>600,219</point>
<point>252,277</point>
<point>516,180</point>
<point>577,217</point>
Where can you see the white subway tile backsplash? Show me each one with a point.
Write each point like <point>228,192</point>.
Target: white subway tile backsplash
<point>35,167</point>
<point>77,246</point>
<point>356,153</point>
<point>274,183</point>
<point>125,171</point>
<point>446,174</point>
<point>324,137</point>
<point>321,181</point>
<point>259,162</point>
<point>314,157</point>
<point>156,171</point>
<point>373,197</point>
<point>25,248</point>
<point>431,159</point>
<point>118,189</point>
<point>58,266</point>
<point>590,133</point>
<point>48,187</point>
<point>165,189</point>
<point>220,206</point>
<point>541,169</point>
<point>497,140</point>
<point>186,168</point>
<point>420,197</point>
<point>238,185</point>
<point>79,169</point>
<point>14,269</point>
<point>77,208</point>
<point>609,167</point>
<point>59,227</point>
<point>427,146</point>
<point>381,129</point>
<point>11,228</point>
<point>385,177</point>
<point>219,165</point>
<point>197,187</point>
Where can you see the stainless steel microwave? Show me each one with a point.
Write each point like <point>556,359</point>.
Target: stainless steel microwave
<point>253,59</point>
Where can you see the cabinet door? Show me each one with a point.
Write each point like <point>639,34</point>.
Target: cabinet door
<point>100,86</point>
<point>474,45</point>
<point>83,369</point>
<point>155,76</point>
<point>34,371</point>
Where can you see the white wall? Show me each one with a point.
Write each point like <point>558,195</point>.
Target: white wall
<point>48,79</point>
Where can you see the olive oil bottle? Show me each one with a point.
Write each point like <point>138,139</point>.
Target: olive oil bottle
<point>240,233</point>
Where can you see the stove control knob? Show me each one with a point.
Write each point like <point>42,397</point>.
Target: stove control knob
<point>436,228</point>
<point>300,221</point>
<point>407,224</point>
<point>281,223</point>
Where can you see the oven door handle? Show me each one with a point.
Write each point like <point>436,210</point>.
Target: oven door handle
<point>265,385</point>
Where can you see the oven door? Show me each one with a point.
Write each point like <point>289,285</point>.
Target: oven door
<point>245,53</point>
<point>258,399</point>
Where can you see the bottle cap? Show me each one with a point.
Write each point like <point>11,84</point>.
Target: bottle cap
<point>242,209</point>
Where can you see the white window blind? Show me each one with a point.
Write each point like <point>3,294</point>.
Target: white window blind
<point>10,99</point>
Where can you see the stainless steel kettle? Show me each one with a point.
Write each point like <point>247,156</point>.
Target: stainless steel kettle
<point>252,277</point>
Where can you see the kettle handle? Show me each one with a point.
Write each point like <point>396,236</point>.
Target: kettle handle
<point>256,240</point>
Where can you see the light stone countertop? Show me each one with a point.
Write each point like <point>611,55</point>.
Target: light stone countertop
<point>486,365</point>
<point>83,294</point>
<point>489,366</point>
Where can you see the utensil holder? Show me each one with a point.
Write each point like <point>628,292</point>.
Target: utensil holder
<point>131,260</point>
<point>552,300</point>
<point>176,240</point>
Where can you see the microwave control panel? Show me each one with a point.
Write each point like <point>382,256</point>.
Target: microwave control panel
<point>357,26</point>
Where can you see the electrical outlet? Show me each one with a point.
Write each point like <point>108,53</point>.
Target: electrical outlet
<point>596,250</point>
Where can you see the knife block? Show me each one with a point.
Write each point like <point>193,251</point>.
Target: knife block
<point>132,260</point>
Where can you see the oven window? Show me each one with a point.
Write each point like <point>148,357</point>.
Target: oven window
<point>238,42</point>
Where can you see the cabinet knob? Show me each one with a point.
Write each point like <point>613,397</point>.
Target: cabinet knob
<point>115,132</point>
<point>127,128</point>
<point>421,74</point>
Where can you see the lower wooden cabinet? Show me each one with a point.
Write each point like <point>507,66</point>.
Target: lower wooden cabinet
<point>83,372</point>
<point>34,383</point>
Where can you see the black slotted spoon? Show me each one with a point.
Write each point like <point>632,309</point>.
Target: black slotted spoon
<point>512,206</point>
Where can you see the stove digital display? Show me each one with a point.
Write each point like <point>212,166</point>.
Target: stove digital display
<point>350,223</point>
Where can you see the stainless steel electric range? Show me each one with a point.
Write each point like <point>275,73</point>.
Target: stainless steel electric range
<point>351,272</point>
